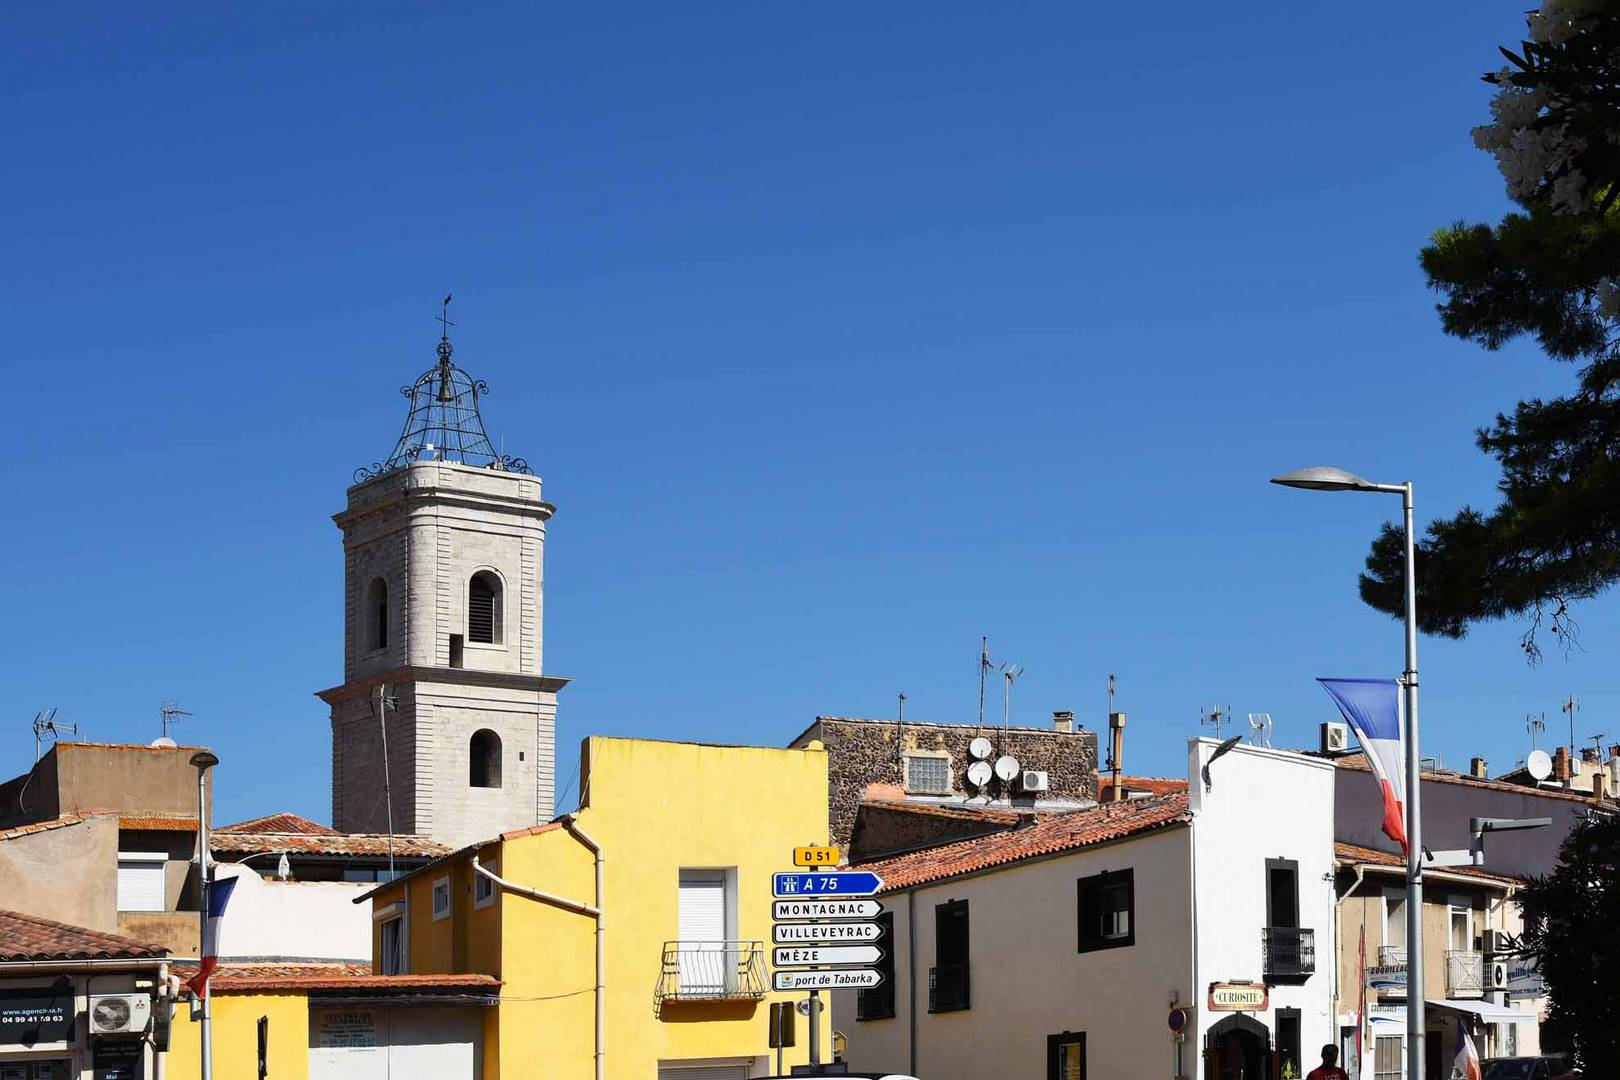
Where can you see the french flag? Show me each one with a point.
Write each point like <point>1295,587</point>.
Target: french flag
<point>1373,708</point>
<point>219,894</point>
<point>1466,1063</point>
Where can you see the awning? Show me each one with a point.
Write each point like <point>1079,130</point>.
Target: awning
<point>1487,1011</point>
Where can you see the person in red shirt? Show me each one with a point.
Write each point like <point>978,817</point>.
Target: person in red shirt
<point>1329,1069</point>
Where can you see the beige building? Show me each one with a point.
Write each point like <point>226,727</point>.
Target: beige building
<point>103,836</point>
<point>443,663</point>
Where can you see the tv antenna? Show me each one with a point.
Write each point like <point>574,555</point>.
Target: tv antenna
<point>1110,711</point>
<point>1215,716</point>
<point>984,671</point>
<point>1009,672</point>
<point>170,712</point>
<point>1570,707</point>
<point>1535,723</point>
<point>902,697</point>
<point>1260,729</point>
<point>45,723</point>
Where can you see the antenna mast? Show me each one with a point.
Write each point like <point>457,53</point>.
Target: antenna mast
<point>1571,707</point>
<point>1214,716</point>
<point>984,669</point>
<point>1535,723</point>
<point>1009,672</point>
<point>170,712</point>
<point>45,723</point>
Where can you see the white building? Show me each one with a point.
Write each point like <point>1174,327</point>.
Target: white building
<point>1061,948</point>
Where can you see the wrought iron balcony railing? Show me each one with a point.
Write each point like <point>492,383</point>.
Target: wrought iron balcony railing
<point>948,988</point>
<point>876,1003</point>
<point>712,970</point>
<point>1465,974</point>
<point>1290,953</point>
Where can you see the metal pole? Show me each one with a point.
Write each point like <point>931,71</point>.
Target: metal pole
<point>1414,838</point>
<point>202,937</point>
<point>815,1014</point>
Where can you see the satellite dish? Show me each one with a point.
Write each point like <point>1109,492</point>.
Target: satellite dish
<point>978,773</point>
<point>1007,767</point>
<point>169,744</point>
<point>981,749</point>
<point>1539,765</point>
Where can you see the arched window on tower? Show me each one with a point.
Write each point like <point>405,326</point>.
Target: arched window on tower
<point>484,754</point>
<point>484,621</point>
<point>377,615</point>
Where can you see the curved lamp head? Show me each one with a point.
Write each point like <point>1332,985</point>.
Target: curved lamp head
<point>1325,478</point>
<point>204,759</point>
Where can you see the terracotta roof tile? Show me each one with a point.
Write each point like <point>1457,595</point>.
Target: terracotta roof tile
<point>1355,853</point>
<point>297,843</point>
<point>30,938</point>
<point>44,826</point>
<point>370,984</point>
<point>1060,832</point>
<point>955,811</point>
<point>155,823</point>
<point>278,970</point>
<point>283,822</point>
<point>1158,785</point>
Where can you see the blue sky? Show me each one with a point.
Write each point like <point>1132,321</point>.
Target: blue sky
<point>840,338</point>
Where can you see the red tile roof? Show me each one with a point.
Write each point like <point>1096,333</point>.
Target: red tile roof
<point>298,843</point>
<point>1058,833</point>
<point>1356,854</point>
<point>954,811</point>
<point>156,823</point>
<point>279,823</point>
<point>1158,785</point>
<point>44,826</point>
<point>30,938</point>
<point>271,970</point>
<point>370,984</point>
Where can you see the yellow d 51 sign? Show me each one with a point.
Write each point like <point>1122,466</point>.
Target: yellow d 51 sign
<point>815,856</point>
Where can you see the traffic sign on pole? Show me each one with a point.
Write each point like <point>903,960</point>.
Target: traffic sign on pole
<point>815,856</point>
<point>819,955</point>
<point>794,932</point>
<point>826,907</point>
<point>834,882</point>
<point>839,979</point>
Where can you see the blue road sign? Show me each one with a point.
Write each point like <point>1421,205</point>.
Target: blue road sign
<point>828,883</point>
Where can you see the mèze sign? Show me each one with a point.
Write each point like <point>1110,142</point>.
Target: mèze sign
<point>819,955</point>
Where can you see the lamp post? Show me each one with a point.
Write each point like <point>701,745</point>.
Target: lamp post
<point>1326,478</point>
<point>203,760</point>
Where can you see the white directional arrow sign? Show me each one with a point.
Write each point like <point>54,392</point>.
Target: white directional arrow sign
<point>794,933</point>
<point>856,979</point>
<point>826,907</point>
<point>817,955</point>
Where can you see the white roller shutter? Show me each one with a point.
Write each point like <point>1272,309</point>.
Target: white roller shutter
<point>140,881</point>
<point>703,1072</point>
<point>703,905</point>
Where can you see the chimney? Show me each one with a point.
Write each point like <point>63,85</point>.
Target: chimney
<point>1614,751</point>
<point>1590,754</point>
<point>1477,769</point>
<point>1561,764</point>
<point>1063,719</point>
<point>1116,757</point>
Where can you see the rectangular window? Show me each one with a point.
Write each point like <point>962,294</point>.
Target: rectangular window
<point>1282,893</point>
<point>706,960</point>
<point>140,880</point>
<point>1291,1065</point>
<point>1066,1056</point>
<point>441,899</point>
<point>1460,914</point>
<point>484,890</point>
<point>457,651</point>
<point>391,946</point>
<point>928,774</point>
<point>948,978</point>
<point>1107,910</point>
<point>1395,924</point>
<point>1387,1058</point>
<point>878,1002</point>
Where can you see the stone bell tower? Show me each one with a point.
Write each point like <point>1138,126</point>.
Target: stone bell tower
<point>443,547</point>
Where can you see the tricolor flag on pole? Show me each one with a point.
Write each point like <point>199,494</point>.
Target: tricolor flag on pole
<point>1467,1063</point>
<point>1373,708</point>
<point>219,894</point>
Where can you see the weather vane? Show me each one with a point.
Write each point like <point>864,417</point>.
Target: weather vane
<point>444,317</point>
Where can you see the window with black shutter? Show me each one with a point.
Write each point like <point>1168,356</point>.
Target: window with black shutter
<point>484,609</point>
<point>1107,910</point>
<point>948,978</point>
<point>377,615</point>
<point>877,1003</point>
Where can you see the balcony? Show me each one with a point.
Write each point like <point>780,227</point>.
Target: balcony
<point>948,988</point>
<point>1290,954</point>
<point>1465,974</point>
<point>712,971</point>
<point>1388,975</point>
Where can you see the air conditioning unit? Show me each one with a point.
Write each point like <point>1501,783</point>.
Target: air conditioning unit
<point>1034,780</point>
<point>1335,737</point>
<point>1497,977</point>
<point>120,1014</point>
<point>1498,943</point>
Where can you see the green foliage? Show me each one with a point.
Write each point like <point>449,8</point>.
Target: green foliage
<point>1570,919</point>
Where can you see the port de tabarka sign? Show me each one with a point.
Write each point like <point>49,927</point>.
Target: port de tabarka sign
<point>36,1014</point>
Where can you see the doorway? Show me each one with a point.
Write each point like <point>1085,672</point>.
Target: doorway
<point>1238,1048</point>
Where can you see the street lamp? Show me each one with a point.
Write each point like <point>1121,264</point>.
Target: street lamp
<point>1327,478</point>
<point>202,761</point>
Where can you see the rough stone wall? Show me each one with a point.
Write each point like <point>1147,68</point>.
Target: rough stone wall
<point>863,752</point>
<point>881,830</point>
<point>357,765</point>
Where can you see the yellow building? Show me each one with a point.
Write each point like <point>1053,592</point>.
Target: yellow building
<point>666,869</point>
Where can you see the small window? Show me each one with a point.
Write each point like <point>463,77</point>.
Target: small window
<point>1395,922</point>
<point>484,620</point>
<point>1460,916</point>
<point>484,759</point>
<point>484,891</point>
<point>1289,1051</point>
<point>377,615</point>
<point>1282,893</point>
<point>949,978</point>
<point>1066,1056</point>
<point>140,880</point>
<point>391,946</point>
<point>928,774</point>
<point>1107,910</point>
<point>457,652</point>
<point>441,899</point>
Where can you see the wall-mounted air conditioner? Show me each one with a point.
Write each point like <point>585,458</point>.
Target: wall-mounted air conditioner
<point>1335,737</point>
<point>1034,780</point>
<point>1497,977</point>
<point>1498,943</point>
<point>120,1014</point>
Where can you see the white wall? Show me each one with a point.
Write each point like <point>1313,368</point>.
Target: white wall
<point>316,920</point>
<point>1261,804</point>
<point>1028,979</point>
<point>404,1044</point>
